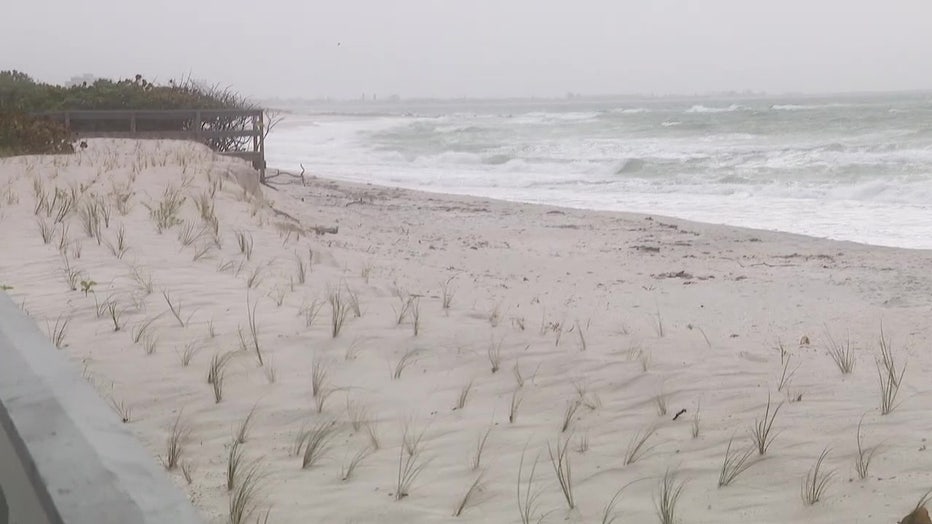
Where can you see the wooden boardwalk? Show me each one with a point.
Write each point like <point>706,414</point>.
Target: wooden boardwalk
<point>230,132</point>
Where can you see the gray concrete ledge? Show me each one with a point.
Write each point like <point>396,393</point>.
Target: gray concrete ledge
<point>65,458</point>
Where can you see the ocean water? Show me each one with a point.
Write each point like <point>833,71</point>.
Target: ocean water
<point>850,168</point>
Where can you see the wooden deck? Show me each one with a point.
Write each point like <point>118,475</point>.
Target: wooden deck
<point>231,132</point>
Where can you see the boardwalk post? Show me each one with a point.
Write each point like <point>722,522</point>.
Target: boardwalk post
<point>197,126</point>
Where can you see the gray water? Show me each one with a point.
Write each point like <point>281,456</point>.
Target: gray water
<point>848,167</point>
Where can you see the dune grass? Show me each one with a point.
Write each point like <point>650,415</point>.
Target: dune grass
<point>463,396</point>
<point>669,491</point>
<point>123,410</point>
<point>694,426</point>
<point>568,414</point>
<point>243,432</point>
<point>46,230</point>
<point>310,311</point>
<point>410,466</point>
<point>59,330</point>
<point>352,300</point>
<point>140,329</point>
<point>245,242</point>
<point>406,360</point>
<point>116,314</point>
<point>254,330</point>
<point>190,349</point>
<point>404,305</point>
<point>255,278</point>
<point>515,404</point>
<point>637,446</point>
<point>841,353</point>
<point>316,442</point>
<point>216,373</point>
<point>660,401</point>
<point>234,463</point>
<point>244,496</point>
<point>762,431</point>
<point>175,445</point>
<point>529,497</point>
<point>416,315</point>
<point>164,213</point>
<point>300,269</point>
<point>467,497</point>
<point>734,463</point>
<point>494,354</point>
<point>582,336</point>
<point>862,460</point>
<point>562,469</point>
<point>889,377</point>
<point>338,311</point>
<point>143,280</point>
<point>816,480</point>
<point>322,397</point>
<point>480,447</point>
<point>357,414</point>
<point>447,292</point>
<point>347,471</point>
<point>174,306</point>
<point>786,376</point>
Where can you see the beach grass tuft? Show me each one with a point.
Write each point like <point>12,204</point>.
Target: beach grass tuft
<point>762,431</point>
<point>560,460</point>
<point>816,480</point>
<point>734,463</point>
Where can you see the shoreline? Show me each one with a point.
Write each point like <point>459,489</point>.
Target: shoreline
<point>464,317</point>
<point>625,214</point>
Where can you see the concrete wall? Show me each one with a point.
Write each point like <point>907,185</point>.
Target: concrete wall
<point>65,458</point>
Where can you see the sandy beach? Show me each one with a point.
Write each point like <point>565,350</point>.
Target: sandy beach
<point>482,347</point>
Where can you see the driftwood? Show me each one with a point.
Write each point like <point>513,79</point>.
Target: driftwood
<point>320,230</point>
<point>267,178</point>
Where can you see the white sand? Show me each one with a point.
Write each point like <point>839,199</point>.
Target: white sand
<point>514,268</point>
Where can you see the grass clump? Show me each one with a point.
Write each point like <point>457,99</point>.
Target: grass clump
<point>164,213</point>
<point>410,465</point>
<point>560,460</point>
<point>244,497</point>
<point>637,446</point>
<point>254,330</point>
<point>528,498</point>
<point>668,495</point>
<point>734,464</point>
<point>816,481</point>
<point>889,376</point>
<point>350,468</point>
<point>841,354</point>
<point>762,431</point>
<point>316,442</point>
<point>862,460</point>
<point>338,310</point>
<point>58,331</point>
<point>467,497</point>
<point>177,438</point>
<point>403,362</point>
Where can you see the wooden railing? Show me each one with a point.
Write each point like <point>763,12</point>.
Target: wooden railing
<point>231,132</point>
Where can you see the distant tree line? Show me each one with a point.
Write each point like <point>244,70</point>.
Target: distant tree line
<point>23,129</point>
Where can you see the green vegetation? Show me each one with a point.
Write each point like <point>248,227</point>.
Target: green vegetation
<point>22,97</point>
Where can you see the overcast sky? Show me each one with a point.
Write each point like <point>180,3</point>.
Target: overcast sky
<point>451,48</point>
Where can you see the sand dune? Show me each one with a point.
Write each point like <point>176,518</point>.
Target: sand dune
<point>569,329</point>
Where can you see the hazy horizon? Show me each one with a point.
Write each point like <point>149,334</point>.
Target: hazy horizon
<point>483,49</point>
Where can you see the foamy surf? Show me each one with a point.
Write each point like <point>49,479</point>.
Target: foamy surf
<point>857,170</point>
